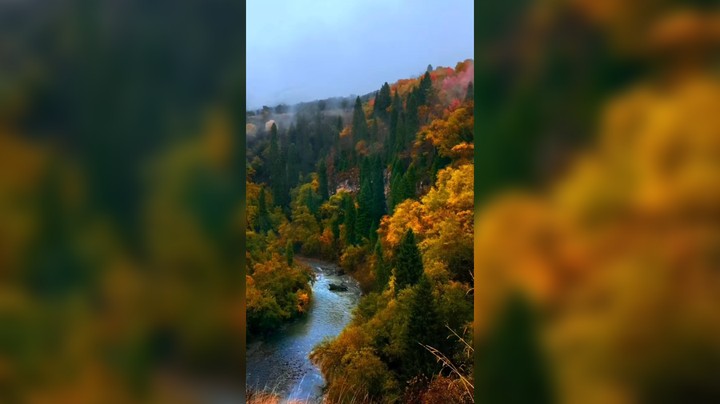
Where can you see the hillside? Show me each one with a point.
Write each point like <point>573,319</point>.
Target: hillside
<point>384,188</point>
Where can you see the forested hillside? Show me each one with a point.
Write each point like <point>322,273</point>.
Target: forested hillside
<point>385,188</point>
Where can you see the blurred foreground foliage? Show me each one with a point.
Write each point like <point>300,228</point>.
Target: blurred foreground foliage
<point>596,266</point>
<point>120,201</point>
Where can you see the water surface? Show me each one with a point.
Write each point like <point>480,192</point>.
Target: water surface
<point>280,363</point>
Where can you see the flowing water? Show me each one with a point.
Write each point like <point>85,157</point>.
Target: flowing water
<point>280,363</point>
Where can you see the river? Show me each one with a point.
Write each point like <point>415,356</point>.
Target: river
<point>280,364</point>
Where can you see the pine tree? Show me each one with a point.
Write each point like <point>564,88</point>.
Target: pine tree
<point>397,188</point>
<point>408,262</point>
<point>382,271</point>
<point>378,192</point>
<point>323,180</point>
<point>359,124</point>
<point>391,140</point>
<point>263,217</point>
<point>409,183</point>
<point>470,95</point>
<point>364,211</point>
<point>424,328</point>
<point>424,90</point>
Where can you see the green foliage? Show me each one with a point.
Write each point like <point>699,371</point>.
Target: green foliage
<point>290,253</point>
<point>424,329</point>
<point>408,263</point>
<point>382,269</point>
<point>360,129</point>
<point>263,218</point>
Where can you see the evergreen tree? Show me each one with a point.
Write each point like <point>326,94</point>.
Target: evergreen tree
<point>409,183</point>
<point>424,90</point>
<point>359,124</point>
<point>424,328</point>
<point>401,133</point>
<point>512,369</point>
<point>378,192</point>
<point>391,140</point>
<point>383,101</point>
<point>470,95</point>
<point>263,217</point>
<point>382,271</point>
<point>397,188</point>
<point>408,262</point>
<point>364,211</point>
<point>323,180</point>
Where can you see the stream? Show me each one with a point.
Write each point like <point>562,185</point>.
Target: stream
<point>280,363</point>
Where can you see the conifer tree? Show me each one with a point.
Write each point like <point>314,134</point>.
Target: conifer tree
<point>382,271</point>
<point>408,262</point>
<point>364,211</point>
<point>359,124</point>
<point>378,191</point>
<point>470,95</point>
<point>263,217</point>
<point>424,328</point>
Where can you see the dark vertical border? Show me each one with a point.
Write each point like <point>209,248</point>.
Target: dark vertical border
<point>238,111</point>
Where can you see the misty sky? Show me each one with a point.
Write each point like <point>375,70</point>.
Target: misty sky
<point>302,50</point>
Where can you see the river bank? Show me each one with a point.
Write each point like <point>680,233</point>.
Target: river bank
<point>280,364</point>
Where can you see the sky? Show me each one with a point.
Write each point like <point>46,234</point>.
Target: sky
<point>303,50</point>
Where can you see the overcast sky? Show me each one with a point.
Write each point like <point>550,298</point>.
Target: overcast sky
<point>303,50</point>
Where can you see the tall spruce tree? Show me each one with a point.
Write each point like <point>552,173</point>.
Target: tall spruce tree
<point>364,211</point>
<point>263,217</point>
<point>424,328</point>
<point>378,191</point>
<point>359,124</point>
<point>382,270</point>
<point>408,262</point>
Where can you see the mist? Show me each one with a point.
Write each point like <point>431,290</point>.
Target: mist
<point>301,51</point>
